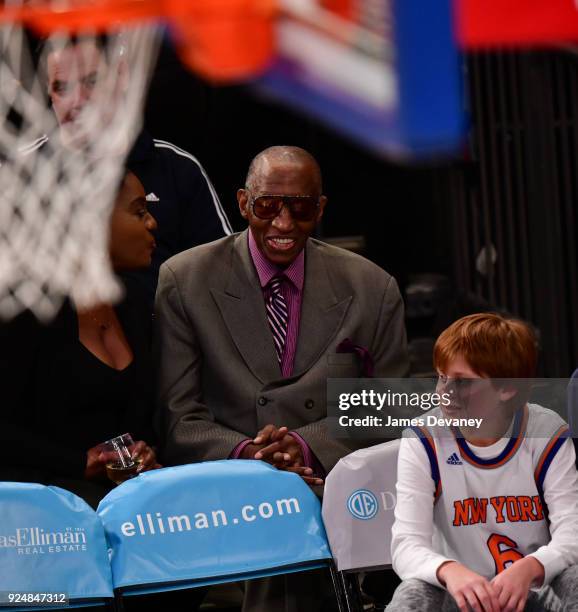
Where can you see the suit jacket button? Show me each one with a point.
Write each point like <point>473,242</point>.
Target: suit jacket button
<point>309,404</point>
<point>262,401</point>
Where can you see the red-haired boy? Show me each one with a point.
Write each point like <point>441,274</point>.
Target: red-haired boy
<point>489,513</point>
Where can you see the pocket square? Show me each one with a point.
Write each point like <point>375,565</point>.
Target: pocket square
<point>347,346</point>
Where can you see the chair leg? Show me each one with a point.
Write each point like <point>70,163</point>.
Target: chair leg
<point>338,588</point>
<point>353,590</point>
<point>117,603</point>
<point>347,591</point>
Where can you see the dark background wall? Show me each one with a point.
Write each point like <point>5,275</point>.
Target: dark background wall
<point>518,194</point>
<point>226,126</point>
<point>511,195</point>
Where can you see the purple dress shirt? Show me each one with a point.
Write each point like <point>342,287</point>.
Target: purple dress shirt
<point>292,288</point>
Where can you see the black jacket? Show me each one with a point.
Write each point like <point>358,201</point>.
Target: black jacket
<point>188,212</point>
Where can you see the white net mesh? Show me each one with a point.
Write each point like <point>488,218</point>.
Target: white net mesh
<point>67,121</point>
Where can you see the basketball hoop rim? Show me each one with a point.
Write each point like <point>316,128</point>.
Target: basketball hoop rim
<point>100,15</point>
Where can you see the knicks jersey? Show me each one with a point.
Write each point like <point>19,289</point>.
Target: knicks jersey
<point>489,512</point>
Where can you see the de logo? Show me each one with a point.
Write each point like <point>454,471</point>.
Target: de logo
<point>362,504</point>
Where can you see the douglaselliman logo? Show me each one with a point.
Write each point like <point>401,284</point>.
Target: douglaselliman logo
<point>38,541</point>
<point>453,459</point>
<point>362,504</point>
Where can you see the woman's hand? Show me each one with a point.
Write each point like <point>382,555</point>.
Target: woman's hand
<point>96,460</point>
<point>146,455</point>
<point>469,590</point>
<point>514,583</point>
<point>95,463</point>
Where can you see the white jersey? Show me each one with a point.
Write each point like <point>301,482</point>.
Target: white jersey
<point>490,512</point>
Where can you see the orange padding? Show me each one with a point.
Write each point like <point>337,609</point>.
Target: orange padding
<point>224,39</point>
<point>221,39</point>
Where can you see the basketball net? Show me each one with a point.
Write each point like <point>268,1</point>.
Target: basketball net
<point>61,163</point>
<point>57,182</point>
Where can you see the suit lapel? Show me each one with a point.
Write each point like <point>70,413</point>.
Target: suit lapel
<point>243,310</point>
<point>322,311</point>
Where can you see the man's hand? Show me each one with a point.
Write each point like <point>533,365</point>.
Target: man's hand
<point>266,436</point>
<point>249,451</point>
<point>514,583</point>
<point>275,446</point>
<point>282,449</point>
<point>469,590</point>
<point>306,474</point>
<point>269,434</point>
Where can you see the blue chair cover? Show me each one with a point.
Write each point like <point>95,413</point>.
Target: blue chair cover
<point>211,522</point>
<point>51,541</point>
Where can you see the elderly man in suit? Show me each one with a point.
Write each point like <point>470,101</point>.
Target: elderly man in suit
<point>250,325</point>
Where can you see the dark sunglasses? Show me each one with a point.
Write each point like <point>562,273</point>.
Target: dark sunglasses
<point>302,208</point>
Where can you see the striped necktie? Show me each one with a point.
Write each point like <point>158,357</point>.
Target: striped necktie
<point>277,315</point>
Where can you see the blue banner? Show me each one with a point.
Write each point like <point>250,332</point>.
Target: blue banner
<point>211,522</point>
<point>51,541</point>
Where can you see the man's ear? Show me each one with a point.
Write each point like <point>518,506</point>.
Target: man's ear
<point>322,203</point>
<point>243,200</point>
<point>507,393</point>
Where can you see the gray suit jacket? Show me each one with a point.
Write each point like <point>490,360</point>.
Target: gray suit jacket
<point>220,380</point>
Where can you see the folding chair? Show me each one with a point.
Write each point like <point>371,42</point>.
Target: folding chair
<point>358,505</point>
<point>51,542</point>
<point>209,523</point>
<point>572,406</point>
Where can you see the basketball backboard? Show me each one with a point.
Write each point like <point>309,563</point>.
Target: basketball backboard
<point>385,73</point>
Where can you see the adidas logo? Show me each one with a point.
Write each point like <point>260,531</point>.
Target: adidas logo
<point>453,459</point>
<point>152,197</point>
